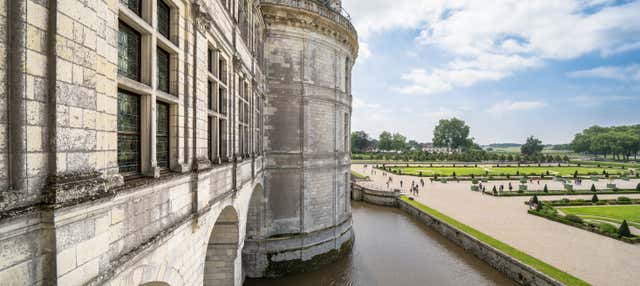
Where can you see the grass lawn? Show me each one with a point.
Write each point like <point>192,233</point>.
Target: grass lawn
<point>358,175</point>
<point>607,213</point>
<point>545,268</point>
<point>503,171</point>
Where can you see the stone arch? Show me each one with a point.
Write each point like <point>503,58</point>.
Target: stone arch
<point>222,249</point>
<point>254,211</point>
<point>253,232</point>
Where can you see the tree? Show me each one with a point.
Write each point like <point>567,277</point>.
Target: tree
<point>593,188</point>
<point>594,199</point>
<point>413,144</point>
<point>360,141</point>
<point>546,190</point>
<point>385,141</point>
<point>399,142</point>
<point>535,200</point>
<point>532,147</point>
<point>624,231</point>
<point>452,134</point>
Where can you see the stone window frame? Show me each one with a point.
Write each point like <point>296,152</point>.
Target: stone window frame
<point>218,81</point>
<point>256,121</point>
<point>346,133</point>
<point>244,116</point>
<point>146,24</point>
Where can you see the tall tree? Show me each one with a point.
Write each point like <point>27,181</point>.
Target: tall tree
<point>452,133</point>
<point>360,141</point>
<point>385,141</point>
<point>533,146</point>
<point>399,142</point>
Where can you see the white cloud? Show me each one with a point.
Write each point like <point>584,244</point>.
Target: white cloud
<point>630,72</point>
<point>364,52</point>
<point>491,40</point>
<point>508,106</point>
<point>591,100</point>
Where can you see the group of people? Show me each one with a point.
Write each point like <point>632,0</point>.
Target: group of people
<point>415,188</point>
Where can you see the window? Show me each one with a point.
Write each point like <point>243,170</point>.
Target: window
<point>347,75</point>
<point>164,64</point>
<point>133,5</point>
<point>162,135</point>
<point>128,133</point>
<point>222,135</point>
<point>216,105</point>
<point>347,135</point>
<point>128,52</point>
<point>164,19</point>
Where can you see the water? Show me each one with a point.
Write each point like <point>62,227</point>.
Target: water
<point>392,248</point>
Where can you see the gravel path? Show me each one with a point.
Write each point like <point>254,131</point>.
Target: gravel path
<point>596,259</point>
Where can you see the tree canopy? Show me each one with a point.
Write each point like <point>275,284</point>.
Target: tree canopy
<point>452,133</point>
<point>618,141</point>
<point>533,146</point>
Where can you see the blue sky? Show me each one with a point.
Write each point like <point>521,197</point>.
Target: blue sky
<point>510,69</point>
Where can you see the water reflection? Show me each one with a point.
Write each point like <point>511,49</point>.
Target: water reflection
<point>392,248</point>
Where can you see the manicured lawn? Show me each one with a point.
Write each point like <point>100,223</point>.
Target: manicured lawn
<point>562,171</point>
<point>358,175</point>
<point>609,213</point>
<point>545,268</point>
<point>442,171</point>
<point>503,171</point>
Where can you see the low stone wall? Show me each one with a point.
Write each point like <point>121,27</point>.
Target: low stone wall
<point>514,269</point>
<point>382,198</point>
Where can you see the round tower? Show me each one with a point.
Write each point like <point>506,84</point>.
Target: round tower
<point>310,49</point>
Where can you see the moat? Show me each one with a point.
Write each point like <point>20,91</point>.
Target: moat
<point>392,248</point>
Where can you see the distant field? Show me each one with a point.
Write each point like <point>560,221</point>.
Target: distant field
<point>503,171</point>
<point>615,214</point>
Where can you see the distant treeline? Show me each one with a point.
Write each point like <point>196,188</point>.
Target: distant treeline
<point>619,142</point>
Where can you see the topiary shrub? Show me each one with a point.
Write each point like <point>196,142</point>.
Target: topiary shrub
<point>546,190</point>
<point>535,200</point>
<point>594,199</point>
<point>638,187</point>
<point>593,188</point>
<point>607,228</point>
<point>623,230</point>
<point>573,218</point>
<point>494,190</point>
<point>454,174</point>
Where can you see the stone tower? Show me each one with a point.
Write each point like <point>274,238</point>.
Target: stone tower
<point>310,48</point>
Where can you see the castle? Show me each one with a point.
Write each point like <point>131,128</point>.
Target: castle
<point>173,142</point>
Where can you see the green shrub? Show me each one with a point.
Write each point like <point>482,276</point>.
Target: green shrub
<point>638,186</point>
<point>535,200</point>
<point>546,190</point>
<point>593,188</point>
<point>607,228</point>
<point>454,174</point>
<point>594,199</point>
<point>624,231</point>
<point>573,218</point>
<point>624,199</point>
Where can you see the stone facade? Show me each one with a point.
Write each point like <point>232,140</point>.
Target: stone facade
<point>69,216</point>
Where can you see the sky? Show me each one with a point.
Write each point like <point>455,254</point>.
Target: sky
<point>510,69</point>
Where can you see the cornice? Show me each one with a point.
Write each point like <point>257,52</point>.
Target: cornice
<point>312,16</point>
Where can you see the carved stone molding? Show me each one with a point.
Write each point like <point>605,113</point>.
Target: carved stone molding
<point>73,188</point>
<point>311,16</point>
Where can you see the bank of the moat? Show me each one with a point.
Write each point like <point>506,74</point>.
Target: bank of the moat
<point>393,248</point>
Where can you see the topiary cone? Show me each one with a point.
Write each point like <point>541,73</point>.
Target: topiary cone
<point>624,229</point>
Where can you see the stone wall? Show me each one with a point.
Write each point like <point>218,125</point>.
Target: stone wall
<point>512,268</point>
<point>382,198</point>
<point>308,113</point>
